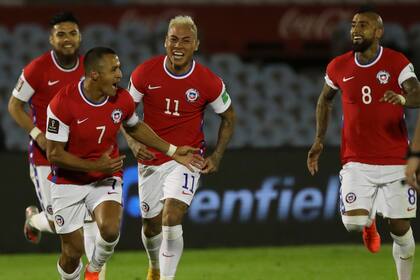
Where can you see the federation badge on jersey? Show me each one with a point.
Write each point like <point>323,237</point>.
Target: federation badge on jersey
<point>59,220</point>
<point>116,115</point>
<point>192,95</point>
<point>383,77</point>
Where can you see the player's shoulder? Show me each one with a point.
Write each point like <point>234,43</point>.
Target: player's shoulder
<point>39,62</point>
<point>392,54</point>
<point>343,58</point>
<point>206,74</point>
<point>149,65</point>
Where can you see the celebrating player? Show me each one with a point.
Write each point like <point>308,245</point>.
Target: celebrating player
<point>374,137</point>
<point>175,91</point>
<point>83,121</point>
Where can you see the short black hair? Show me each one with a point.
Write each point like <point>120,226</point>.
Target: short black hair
<point>367,8</point>
<point>93,56</point>
<point>63,17</point>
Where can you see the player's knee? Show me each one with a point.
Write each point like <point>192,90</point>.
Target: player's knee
<point>109,231</point>
<point>355,223</point>
<point>399,227</point>
<point>72,253</point>
<point>152,226</point>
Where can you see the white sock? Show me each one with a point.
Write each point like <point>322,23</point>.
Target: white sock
<point>403,251</point>
<point>170,251</point>
<point>73,276</point>
<point>90,231</point>
<point>103,251</point>
<point>40,222</point>
<point>152,246</point>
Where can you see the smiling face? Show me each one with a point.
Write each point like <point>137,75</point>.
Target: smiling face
<point>109,74</point>
<point>366,31</point>
<point>181,42</point>
<point>65,38</point>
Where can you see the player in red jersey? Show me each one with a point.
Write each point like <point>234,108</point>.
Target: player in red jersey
<point>39,82</point>
<point>374,137</point>
<point>175,91</point>
<point>83,121</point>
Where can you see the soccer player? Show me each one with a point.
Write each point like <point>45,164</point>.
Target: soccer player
<point>83,121</point>
<point>175,90</point>
<point>39,82</point>
<point>374,137</point>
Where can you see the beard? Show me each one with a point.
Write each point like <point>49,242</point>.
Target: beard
<point>361,47</point>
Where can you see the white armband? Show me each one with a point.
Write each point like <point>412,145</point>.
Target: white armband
<point>171,151</point>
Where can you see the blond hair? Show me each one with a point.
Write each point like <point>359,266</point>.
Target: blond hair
<point>184,20</point>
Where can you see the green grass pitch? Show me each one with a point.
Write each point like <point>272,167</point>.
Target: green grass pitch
<point>286,263</point>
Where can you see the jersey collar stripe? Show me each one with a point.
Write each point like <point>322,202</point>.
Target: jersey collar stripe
<point>180,76</point>
<point>370,64</point>
<point>80,86</point>
<point>61,68</point>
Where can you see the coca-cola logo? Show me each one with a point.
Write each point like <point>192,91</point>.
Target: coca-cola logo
<point>297,24</point>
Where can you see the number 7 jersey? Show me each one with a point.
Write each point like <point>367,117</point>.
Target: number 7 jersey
<point>373,132</point>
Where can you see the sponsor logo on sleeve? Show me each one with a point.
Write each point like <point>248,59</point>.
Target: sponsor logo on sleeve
<point>192,95</point>
<point>225,97</point>
<point>116,115</point>
<point>53,125</point>
<point>19,84</point>
<point>383,77</point>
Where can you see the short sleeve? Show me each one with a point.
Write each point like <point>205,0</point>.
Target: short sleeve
<point>136,86</point>
<point>23,90</point>
<point>222,101</point>
<point>58,119</point>
<point>330,76</point>
<point>131,118</point>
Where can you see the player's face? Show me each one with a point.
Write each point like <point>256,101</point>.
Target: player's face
<point>180,43</point>
<point>364,32</point>
<point>110,74</point>
<point>65,38</point>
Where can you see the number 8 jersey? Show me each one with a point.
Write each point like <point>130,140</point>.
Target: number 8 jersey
<point>373,132</point>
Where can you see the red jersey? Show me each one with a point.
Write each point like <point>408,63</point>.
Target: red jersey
<point>39,82</point>
<point>373,132</point>
<point>88,128</point>
<point>174,105</point>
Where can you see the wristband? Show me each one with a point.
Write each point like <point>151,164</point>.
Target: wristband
<point>171,151</point>
<point>410,154</point>
<point>35,132</point>
<point>402,99</point>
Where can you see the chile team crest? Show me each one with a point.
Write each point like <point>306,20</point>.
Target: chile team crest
<point>116,115</point>
<point>383,77</point>
<point>192,95</point>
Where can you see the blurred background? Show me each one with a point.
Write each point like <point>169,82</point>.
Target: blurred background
<point>272,57</point>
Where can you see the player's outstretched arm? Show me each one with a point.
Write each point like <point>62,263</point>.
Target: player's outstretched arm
<point>57,155</point>
<point>18,113</point>
<point>227,125</point>
<point>139,150</point>
<point>323,112</point>
<point>185,155</point>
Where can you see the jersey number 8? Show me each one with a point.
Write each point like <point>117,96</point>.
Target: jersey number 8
<point>366,97</point>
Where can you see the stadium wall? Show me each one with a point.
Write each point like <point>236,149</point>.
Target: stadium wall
<point>259,197</point>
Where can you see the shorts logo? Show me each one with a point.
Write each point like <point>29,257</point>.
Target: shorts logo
<point>350,197</point>
<point>192,95</point>
<point>145,207</point>
<point>53,125</point>
<point>383,77</point>
<point>19,84</point>
<point>49,209</point>
<point>116,115</point>
<point>59,220</point>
